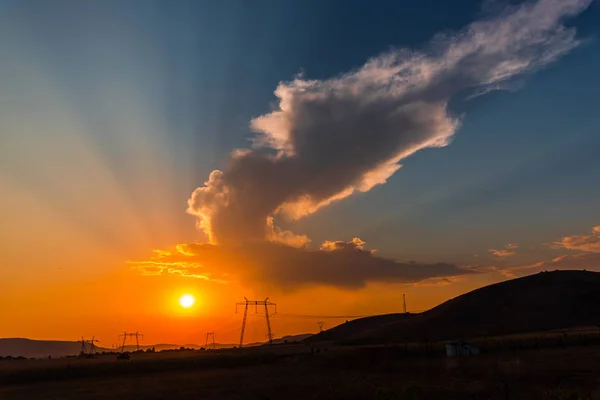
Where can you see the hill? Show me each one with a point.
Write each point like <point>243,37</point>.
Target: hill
<point>544,301</point>
<point>291,338</point>
<point>39,348</point>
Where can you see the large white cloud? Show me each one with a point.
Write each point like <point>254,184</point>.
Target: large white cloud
<point>330,138</point>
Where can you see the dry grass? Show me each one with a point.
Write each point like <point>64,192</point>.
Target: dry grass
<point>339,373</point>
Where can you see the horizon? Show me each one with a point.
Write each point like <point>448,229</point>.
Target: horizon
<point>128,345</point>
<point>162,162</point>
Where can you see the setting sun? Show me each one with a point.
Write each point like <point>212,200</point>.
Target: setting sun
<point>187,300</point>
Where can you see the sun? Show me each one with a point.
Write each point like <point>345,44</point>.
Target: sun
<point>187,301</point>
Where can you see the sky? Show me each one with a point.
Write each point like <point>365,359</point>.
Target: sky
<point>331,156</point>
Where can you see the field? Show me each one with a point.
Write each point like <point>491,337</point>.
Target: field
<point>302,372</point>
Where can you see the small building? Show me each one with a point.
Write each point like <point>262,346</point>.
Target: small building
<point>461,349</point>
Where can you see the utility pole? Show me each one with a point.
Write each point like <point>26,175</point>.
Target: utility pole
<point>256,303</point>
<point>404,302</point>
<point>320,323</point>
<point>210,335</point>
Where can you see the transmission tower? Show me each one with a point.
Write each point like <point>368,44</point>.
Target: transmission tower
<point>88,347</point>
<point>83,350</point>
<point>266,303</point>
<point>125,335</point>
<point>92,345</point>
<point>404,302</point>
<point>210,336</point>
<point>320,323</point>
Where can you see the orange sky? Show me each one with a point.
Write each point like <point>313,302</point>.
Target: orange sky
<point>106,304</point>
<point>61,280</point>
<point>100,157</point>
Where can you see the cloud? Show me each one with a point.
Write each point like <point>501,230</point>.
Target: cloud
<point>589,261</point>
<point>328,139</point>
<point>341,264</point>
<point>176,262</point>
<point>589,243</point>
<point>439,281</point>
<point>507,251</point>
<point>338,245</point>
<point>502,253</point>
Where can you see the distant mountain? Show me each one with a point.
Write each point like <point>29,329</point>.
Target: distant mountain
<point>43,348</point>
<point>544,301</point>
<point>158,347</point>
<point>40,348</point>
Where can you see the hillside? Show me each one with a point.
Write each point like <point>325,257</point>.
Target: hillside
<point>291,338</point>
<point>544,301</point>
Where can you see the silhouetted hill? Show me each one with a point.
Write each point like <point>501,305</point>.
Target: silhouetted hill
<point>292,338</point>
<point>40,348</point>
<point>29,348</point>
<point>544,301</point>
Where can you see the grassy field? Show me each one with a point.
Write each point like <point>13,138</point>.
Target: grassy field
<point>294,372</point>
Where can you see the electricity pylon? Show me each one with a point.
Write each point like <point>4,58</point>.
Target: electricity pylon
<point>88,347</point>
<point>210,335</point>
<point>137,335</point>
<point>256,303</point>
<point>83,350</point>
<point>92,343</point>
<point>320,323</point>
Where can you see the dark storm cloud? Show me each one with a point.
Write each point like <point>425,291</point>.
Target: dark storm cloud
<point>289,267</point>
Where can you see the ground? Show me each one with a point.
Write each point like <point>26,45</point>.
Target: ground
<point>296,372</point>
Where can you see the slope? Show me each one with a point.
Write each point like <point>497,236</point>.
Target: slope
<point>544,301</point>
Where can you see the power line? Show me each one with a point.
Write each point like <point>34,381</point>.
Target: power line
<point>307,316</point>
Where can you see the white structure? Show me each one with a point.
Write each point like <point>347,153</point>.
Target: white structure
<point>461,349</point>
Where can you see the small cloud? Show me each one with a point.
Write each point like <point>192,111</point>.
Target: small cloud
<point>354,244</point>
<point>507,251</point>
<point>588,243</point>
<point>439,281</point>
<point>502,253</point>
<point>483,268</point>
<point>589,261</point>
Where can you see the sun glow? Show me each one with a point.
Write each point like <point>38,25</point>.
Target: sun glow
<point>187,301</point>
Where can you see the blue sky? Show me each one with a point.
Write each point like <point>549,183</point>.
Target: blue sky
<point>161,93</point>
